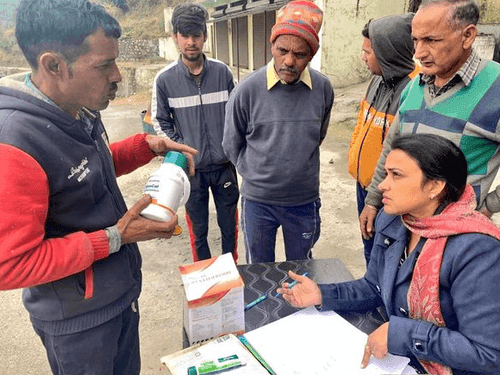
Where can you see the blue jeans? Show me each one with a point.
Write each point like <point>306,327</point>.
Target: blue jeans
<point>300,224</point>
<point>111,348</point>
<point>367,244</point>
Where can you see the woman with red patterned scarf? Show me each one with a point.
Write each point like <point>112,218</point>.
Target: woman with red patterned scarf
<point>435,266</point>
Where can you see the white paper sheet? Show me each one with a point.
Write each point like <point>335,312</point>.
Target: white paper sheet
<point>310,342</point>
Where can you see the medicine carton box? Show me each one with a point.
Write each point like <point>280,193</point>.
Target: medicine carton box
<point>214,298</point>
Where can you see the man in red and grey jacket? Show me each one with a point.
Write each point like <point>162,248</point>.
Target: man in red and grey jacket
<point>67,236</point>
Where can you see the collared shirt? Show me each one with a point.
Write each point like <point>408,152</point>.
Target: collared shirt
<point>29,84</point>
<point>465,74</point>
<point>273,78</point>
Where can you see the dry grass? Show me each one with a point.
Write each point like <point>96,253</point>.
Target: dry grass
<point>145,20</point>
<point>140,24</point>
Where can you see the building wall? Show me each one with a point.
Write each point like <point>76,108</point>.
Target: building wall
<point>250,41</point>
<point>341,40</point>
<point>490,11</point>
<point>490,17</point>
<point>167,47</point>
<point>339,56</point>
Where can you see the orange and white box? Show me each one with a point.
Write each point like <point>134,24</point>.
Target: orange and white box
<point>214,298</point>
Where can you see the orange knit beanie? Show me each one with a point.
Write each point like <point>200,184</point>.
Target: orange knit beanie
<point>301,18</point>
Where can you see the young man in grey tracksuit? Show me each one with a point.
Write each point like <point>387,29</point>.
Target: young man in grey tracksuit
<point>188,106</point>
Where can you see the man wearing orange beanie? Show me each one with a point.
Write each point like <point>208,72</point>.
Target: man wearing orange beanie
<point>276,120</point>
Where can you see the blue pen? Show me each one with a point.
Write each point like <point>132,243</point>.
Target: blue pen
<point>252,304</point>
<point>291,285</point>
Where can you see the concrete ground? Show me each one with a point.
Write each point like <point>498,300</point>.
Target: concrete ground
<point>161,302</point>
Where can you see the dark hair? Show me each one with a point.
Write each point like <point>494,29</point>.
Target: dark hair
<point>189,19</point>
<point>466,12</point>
<point>365,32</point>
<point>60,26</point>
<point>439,159</point>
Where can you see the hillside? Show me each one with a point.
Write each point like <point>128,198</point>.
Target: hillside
<point>141,18</point>
<point>138,18</point>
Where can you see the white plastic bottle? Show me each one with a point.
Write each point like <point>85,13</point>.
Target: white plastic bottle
<point>169,187</point>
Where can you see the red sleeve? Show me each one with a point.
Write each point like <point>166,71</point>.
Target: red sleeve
<point>26,257</point>
<point>131,153</point>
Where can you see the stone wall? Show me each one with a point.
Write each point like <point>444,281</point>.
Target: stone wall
<point>138,78</point>
<point>132,49</point>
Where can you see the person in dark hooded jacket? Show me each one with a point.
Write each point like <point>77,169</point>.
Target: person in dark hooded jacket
<point>388,54</point>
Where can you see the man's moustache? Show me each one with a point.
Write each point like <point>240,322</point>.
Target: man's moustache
<point>291,70</point>
<point>113,86</point>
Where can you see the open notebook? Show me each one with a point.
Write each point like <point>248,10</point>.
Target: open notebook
<point>305,343</point>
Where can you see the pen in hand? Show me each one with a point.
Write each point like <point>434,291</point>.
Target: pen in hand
<point>291,285</point>
<point>252,304</point>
